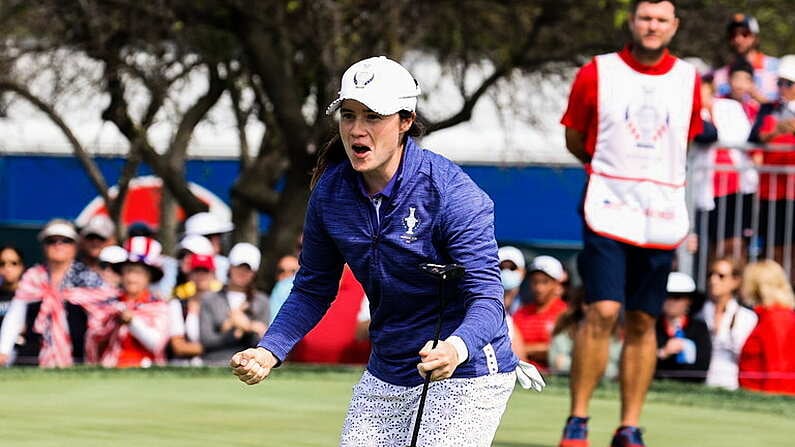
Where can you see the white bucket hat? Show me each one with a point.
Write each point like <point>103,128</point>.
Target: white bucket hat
<point>513,254</point>
<point>206,223</point>
<point>58,227</point>
<point>680,283</point>
<point>381,84</point>
<point>197,244</point>
<point>245,253</point>
<point>549,266</point>
<point>786,67</point>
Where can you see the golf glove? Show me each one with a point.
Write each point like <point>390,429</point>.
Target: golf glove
<point>529,377</point>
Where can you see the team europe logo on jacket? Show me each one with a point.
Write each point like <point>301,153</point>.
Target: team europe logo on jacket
<point>410,222</point>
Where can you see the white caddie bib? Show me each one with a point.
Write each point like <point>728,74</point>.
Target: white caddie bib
<point>636,189</point>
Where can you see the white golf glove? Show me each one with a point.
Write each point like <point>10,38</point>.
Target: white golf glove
<point>529,377</point>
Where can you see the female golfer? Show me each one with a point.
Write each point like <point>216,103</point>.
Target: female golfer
<point>383,205</point>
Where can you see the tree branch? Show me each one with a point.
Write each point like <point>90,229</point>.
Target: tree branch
<point>546,16</point>
<point>197,112</point>
<point>94,174</point>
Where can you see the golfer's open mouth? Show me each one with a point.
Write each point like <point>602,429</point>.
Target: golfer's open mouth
<point>360,149</point>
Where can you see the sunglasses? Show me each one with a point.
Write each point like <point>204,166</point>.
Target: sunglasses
<point>719,275</point>
<point>740,32</point>
<point>785,83</point>
<point>10,263</point>
<point>95,238</point>
<point>58,240</point>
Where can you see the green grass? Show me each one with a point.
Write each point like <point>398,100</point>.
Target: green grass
<point>305,406</point>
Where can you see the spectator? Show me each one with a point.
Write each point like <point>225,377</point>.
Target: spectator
<point>286,268</point>
<point>98,233</point>
<point>109,257</point>
<point>60,290</point>
<point>777,189</point>
<point>562,346</point>
<point>236,317</point>
<point>629,119</point>
<point>725,179</point>
<point>132,332</point>
<point>683,344</point>
<point>190,244</point>
<point>213,227</point>
<point>767,360</point>
<point>729,323</point>
<point>184,313</point>
<point>12,264</point>
<point>333,340</point>
<point>742,32</point>
<point>512,273</point>
<point>535,321</point>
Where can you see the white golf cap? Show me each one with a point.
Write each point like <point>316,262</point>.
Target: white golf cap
<point>679,282</point>
<point>100,225</point>
<point>513,254</point>
<point>381,84</point>
<point>58,227</point>
<point>207,223</point>
<point>113,254</point>
<point>548,265</point>
<point>197,244</point>
<point>786,67</point>
<point>244,253</point>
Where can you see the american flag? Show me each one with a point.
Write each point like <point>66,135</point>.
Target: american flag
<point>56,349</point>
<point>105,332</point>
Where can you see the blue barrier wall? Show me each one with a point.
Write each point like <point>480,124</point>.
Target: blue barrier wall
<point>534,205</point>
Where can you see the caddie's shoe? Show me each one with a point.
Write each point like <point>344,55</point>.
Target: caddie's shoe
<point>627,437</point>
<point>575,432</point>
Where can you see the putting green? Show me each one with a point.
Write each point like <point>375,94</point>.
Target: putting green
<point>305,406</point>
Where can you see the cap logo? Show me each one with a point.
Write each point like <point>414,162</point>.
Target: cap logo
<point>362,78</point>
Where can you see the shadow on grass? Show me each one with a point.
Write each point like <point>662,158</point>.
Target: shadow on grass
<point>518,444</point>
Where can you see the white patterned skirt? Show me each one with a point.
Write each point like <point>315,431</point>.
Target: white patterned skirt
<point>458,412</point>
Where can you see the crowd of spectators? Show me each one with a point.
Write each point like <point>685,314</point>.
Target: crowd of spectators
<point>120,304</point>
<point>741,334</point>
<point>113,303</point>
<point>744,163</point>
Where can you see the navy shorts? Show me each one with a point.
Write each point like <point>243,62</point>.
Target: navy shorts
<point>615,271</point>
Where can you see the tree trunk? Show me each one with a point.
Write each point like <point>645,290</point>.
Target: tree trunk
<point>167,233</point>
<point>246,221</point>
<point>286,227</point>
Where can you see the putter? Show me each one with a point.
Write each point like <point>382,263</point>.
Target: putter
<point>445,272</point>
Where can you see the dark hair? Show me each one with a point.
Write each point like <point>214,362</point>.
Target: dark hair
<point>736,264</point>
<point>635,3</point>
<point>15,249</point>
<point>741,65</point>
<point>334,151</point>
<point>7,286</point>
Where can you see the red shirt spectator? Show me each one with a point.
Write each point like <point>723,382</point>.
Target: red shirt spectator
<point>535,321</point>
<point>767,361</point>
<point>778,189</point>
<point>333,340</point>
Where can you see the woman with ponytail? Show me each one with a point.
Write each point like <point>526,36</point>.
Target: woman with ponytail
<point>383,205</point>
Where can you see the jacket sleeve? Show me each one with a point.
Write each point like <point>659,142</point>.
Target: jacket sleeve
<point>700,336</point>
<point>314,288</point>
<point>467,229</point>
<point>210,320</point>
